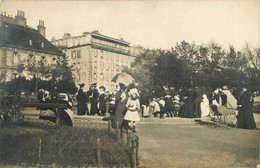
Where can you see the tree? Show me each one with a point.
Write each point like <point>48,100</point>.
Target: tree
<point>57,74</point>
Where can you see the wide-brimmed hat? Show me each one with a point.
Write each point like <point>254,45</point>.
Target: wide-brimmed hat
<point>102,87</point>
<point>176,98</point>
<point>93,84</point>
<point>82,85</point>
<point>133,91</point>
<point>225,88</point>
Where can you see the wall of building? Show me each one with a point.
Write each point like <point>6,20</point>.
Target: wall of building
<point>12,57</point>
<point>92,65</point>
<point>95,59</point>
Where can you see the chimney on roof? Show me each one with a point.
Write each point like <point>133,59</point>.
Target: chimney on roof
<point>41,28</point>
<point>20,19</point>
<point>95,32</point>
<point>66,35</point>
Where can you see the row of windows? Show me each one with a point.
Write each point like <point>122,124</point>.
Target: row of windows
<point>107,66</point>
<point>104,55</point>
<point>95,76</point>
<point>102,76</point>
<point>107,56</point>
<point>31,43</point>
<point>75,54</point>
<point>31,59</point>
<point>106,43</point>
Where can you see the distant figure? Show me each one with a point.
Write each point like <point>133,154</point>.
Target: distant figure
<point>197,101</point>
<point>188,108</point>
<point>102,101</point>
<point>81,97</point>
<point>112,106</point>
<point>169,105</point>
<point>204,106</point>
<point>245,117</point>
<point>154,107</point>
<point>132,106</point>
<point>162,107</point>
<point>93,98</point>
<point>176,106</point>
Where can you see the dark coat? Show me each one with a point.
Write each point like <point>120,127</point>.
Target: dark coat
<point>120,109</point>
<point>93,98</point>
<point>81,97</point>
<point>245,118</point>
<point>188,108</point>
<point>169,106</point>
<point>102,103</point>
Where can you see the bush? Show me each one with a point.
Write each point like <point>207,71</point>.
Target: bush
<point>64,146</point>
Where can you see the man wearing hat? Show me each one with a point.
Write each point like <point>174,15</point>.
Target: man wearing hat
<point>93,95</point>
<point>81,97</point>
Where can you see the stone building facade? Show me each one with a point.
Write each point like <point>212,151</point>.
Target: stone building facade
<point>96,58</point>
<point>20,44</point>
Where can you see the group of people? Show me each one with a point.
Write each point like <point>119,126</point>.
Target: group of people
<point>91,102</point>
<point>200,102</point>
<point>123,104</point>
<point>159,107</point>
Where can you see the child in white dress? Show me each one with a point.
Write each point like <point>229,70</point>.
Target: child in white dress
<point>204,106</point>
<point>132,106</point>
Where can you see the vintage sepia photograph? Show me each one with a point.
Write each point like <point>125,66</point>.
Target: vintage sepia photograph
<point>130,83</point>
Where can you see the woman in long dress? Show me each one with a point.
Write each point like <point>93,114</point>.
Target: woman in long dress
<point>246,118</point>
<point>188,108</point>
<point>102,101</point>
<point>81,97</point>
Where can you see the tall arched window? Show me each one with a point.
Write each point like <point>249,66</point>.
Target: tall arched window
<point>30,42</point>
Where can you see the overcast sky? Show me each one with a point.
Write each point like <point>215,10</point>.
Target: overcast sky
<point>152,24</point>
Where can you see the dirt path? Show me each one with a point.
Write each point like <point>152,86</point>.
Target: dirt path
<point>177,143</point>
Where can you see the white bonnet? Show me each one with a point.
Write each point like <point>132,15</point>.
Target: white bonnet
<point>133,91</point>
<point>176,97</point>
<point>204,96</point>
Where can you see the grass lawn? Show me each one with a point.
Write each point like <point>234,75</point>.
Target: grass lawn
<point>63,146</point>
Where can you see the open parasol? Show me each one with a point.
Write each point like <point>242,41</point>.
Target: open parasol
<point>123,78</point>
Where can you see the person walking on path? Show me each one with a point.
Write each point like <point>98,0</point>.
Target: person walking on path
<point>245,117</point>
<point>132,106</point>
<point>102,101</point>
<point>81,97</point>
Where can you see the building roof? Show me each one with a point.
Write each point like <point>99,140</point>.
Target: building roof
<point>16,36</point>
<point>103,37</point>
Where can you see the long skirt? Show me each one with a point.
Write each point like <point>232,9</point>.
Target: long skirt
<point>119,114</point>
<point>94,109</point>
<point>145,111</point>
<point>246,118</point>
<point>188,108</point>
<point>82,108</point>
